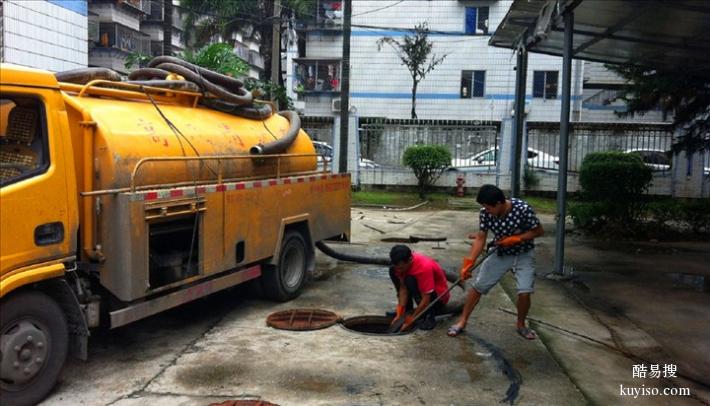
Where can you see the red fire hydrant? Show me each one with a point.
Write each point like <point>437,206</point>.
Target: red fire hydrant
<point>460,181</point>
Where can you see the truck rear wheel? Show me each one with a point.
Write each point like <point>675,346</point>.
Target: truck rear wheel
<point>284,280</point>
<point>33,347</point>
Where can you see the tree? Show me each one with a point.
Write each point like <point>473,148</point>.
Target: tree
<point>428,163</point>
<point>218,57</point>
<point>678,92</point>
<point>414,52</point>
<point>225,17</point>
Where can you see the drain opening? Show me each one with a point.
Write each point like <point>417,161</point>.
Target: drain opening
<point>302,319</point>
<point>370,325</point>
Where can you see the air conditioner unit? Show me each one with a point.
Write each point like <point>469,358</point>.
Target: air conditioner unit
<point>335,105</point>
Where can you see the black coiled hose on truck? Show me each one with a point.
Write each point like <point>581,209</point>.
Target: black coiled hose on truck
<point>221,92</point>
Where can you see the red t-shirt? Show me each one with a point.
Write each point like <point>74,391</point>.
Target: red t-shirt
<point>429,275</point>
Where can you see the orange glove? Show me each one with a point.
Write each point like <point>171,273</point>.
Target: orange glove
<point>465,271</point>
<point>408,321</point>
<point>399,312</point>
<point>510,241</point>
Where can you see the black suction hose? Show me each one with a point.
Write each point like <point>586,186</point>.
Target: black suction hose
<point>351,258</point>
<point>280,145</point>
<point>83,76</point>
<point>360,259</point>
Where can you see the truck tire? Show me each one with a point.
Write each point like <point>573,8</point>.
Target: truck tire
<point>284,281</point>
<point>33,347</point>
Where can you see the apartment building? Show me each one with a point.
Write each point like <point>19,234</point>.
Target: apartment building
<point>44,34</point>
<point>475,81</point>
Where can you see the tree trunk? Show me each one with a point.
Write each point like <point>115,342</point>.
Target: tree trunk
<point>414,99</point>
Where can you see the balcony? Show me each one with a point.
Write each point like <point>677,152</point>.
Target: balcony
<point>314,76</point>
<point>242,51</point>
<point>113,35</point>
<point>144,6</point>
<point>255,59</point>
<point>329,13</point>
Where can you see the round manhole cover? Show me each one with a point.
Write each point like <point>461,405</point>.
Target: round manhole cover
<point>302,319</point>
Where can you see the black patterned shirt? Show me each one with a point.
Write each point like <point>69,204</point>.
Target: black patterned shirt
<point>520,219</point>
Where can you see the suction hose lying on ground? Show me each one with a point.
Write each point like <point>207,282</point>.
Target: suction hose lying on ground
<point>360,259</point>
<point>455,305</point>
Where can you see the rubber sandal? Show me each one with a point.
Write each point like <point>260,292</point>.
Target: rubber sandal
<point>455,330</point>
<point>527,333</point>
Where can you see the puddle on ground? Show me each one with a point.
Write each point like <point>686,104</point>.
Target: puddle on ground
<point>701,283</point>
<point>208,375</point>
<point>298,381</point>
<point>377,273</point>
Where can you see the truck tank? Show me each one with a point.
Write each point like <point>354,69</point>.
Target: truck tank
<point>126,131</point>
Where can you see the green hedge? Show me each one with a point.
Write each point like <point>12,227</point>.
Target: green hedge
<point>692,214</point>
<point>613,186</point>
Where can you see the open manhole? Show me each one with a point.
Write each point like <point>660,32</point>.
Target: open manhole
<point>302,319</point>
<point>370,325</point>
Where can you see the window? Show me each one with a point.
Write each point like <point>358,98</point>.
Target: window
<point>317,76</point>
<point>473,83</point>
<point>545,84</point>
<point>23,149</point>
<point>476,20</point>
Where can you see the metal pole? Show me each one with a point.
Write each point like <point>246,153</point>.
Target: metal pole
<point>520,82</point>
<point>276,49</point>
<point>345,89</point>
<point>564,141</point>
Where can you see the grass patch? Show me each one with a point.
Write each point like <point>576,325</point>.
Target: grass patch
<point>441,201</point>
<point>542,204</point>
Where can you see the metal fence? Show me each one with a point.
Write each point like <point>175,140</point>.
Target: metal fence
<point>652,142</point>
<point>318,128</point>
<point>385,140</point>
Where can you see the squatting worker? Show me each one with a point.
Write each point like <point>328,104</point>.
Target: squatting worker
<point>514,226</point>
<point>417,278</point>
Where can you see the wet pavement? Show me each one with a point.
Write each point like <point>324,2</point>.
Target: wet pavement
<point>220,348</point>
<point>624,308</point>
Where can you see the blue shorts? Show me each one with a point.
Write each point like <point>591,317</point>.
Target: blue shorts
<point>494,267</point>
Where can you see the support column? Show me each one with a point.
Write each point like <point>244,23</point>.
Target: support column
<point>345,87</point>
<point>564,142</point>
<point>520,84</point>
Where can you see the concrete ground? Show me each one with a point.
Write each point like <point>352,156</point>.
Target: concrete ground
<point>220,348</point>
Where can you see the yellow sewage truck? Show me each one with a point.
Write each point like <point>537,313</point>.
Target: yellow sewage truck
<point>119,201</point>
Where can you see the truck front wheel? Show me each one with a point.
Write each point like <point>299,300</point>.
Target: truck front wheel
<point>284,280</point>
<point>33,347</point>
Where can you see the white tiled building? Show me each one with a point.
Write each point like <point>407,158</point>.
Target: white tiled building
<point>475,81</point>
<point>48,35</point>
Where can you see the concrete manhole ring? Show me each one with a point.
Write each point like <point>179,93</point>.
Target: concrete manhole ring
<point>302,319</point>
<point>370,325</point>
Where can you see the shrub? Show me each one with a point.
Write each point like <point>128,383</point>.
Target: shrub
<point>427,162</point>
<point>696,214</point>
<point>588,215</point>
<point>617,179</point>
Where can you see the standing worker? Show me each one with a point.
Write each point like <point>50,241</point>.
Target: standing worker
<point>417,278</point>
<point>514,226</point>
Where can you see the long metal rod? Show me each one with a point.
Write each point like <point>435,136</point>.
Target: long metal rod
<point>564,142</point>
<point>520,83</point>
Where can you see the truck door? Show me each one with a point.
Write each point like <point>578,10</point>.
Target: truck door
<point>33,184</point>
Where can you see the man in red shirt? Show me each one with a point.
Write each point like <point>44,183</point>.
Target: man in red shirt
<point>420,278</point>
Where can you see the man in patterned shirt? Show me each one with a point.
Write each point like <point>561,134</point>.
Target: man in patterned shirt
<point>514,226</point>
